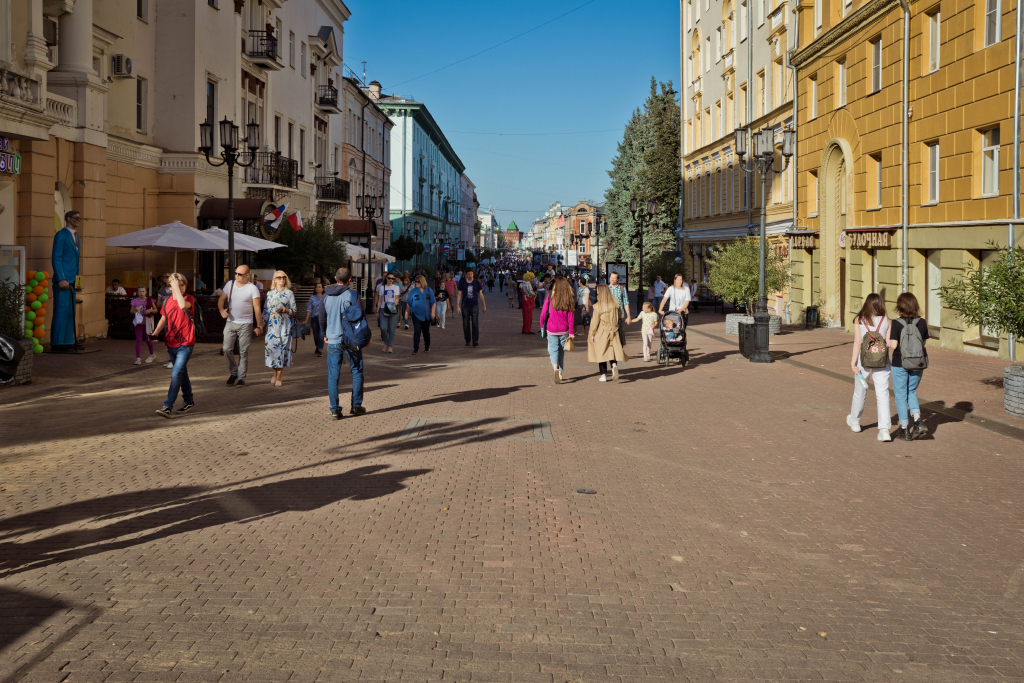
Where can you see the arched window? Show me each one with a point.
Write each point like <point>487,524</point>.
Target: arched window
<point>721,193</point>
<point>729,190</point>
<point>707,190</point>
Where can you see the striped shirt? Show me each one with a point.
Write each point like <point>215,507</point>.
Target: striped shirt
<point>620,296</point>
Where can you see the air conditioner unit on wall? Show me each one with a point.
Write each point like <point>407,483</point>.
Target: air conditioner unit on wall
<point>123,67</point>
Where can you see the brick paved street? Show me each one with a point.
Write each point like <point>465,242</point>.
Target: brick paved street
<point>739,531</point>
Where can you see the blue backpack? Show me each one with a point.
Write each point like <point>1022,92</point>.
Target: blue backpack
<point>355,331</point>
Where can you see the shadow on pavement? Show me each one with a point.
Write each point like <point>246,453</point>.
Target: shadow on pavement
<point>457,397</point>
<point>20,612</point>
<point>439,432</point>
<point>167,512</point>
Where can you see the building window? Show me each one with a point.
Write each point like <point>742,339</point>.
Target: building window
<point>934,40</point>
<point>812,192</point>
<point>814,98</point>
<point>277,133</point>
<point>841,87</point>
<point>743,105</point>
<point>279,34</point>
<point>743,21</point>
<point>707,54</point>
<point>718,44</point>
<point>760,11</point>
<point>876,65</point>
<point>993,19</point>
<point>140,105</point>
<point>291,49</point>
<point>933,172</point>
<point>990,163</point>
<point>212,3</point>
<point>142,9</point>
<point>291,140</point>
<point>817,15</point>
<point>721,193</point>
<point>302,150</point>
<point>302,59</point>
<point>847,6</point>
<point>760,95</point>
<point>211,109</point>
<point>718,119</point>
<point>876,180</point>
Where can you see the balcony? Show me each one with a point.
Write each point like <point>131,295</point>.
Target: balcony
<point>331,189</point>
<point>777,20</point>
<point>261,48</point>
<point>697,86</point>
<point>327,99</point>
<point>272,170</point>
<point>728,60</point>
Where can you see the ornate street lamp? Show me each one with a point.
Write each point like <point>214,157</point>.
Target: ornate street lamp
<point>230,154</point>
<point>638,216</point>
<point>367,206</point>
<point>762,159</point>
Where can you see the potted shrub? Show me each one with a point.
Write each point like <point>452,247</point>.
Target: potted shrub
<point>12,324</point>
<point>733,275</point>
<point>993,297</point>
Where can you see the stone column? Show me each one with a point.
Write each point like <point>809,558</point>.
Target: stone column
<point>74,39</point>
<point>73,77</point>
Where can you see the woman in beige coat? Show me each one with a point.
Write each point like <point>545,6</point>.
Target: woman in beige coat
<point>604,346</point>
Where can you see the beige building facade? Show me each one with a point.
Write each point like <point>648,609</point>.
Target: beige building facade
<point>959,148</point>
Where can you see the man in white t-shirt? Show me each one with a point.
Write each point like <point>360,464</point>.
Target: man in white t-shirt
<point>677,298</point>
<point>239,305</point>
<point>116,288</point>
<point>387,315</point>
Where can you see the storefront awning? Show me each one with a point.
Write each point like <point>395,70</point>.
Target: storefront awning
<point>245,209</point>
<point>352,226</point>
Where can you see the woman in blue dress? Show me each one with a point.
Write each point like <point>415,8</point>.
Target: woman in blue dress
<point>313,317</point>
<point>280,308</point>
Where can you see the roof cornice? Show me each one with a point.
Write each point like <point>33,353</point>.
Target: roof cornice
<point>861,18</point>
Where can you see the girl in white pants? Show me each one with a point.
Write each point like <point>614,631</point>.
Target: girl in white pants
<point>872,315</point>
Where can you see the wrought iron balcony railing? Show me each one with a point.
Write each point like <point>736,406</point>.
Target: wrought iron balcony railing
<point>271,168</point>
<point>331,189</point>
<point>327,96</point>
<point>262,45</point>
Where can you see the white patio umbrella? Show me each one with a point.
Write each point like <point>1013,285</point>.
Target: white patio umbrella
<point>174,237</point>
<point>243,242</point>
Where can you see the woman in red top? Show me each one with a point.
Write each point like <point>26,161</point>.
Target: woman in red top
<point>177,314</point>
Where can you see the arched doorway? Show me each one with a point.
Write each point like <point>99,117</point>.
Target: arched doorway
<point>836,216</point>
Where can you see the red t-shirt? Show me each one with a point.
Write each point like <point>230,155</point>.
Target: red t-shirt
<point>179,324</point>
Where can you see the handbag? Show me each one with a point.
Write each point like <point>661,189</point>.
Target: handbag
<point>435,321</point>
<point>390,308</point>
<point>570,345</point>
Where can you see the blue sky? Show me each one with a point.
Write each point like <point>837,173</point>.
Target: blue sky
<point>584,72</point>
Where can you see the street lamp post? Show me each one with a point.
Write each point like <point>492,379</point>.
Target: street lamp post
<point>230,154</point>
<point>638,216</point>
<point>370,206</point>
<point>762,158</point>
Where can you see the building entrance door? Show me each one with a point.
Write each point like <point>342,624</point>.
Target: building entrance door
<point>834,214</point>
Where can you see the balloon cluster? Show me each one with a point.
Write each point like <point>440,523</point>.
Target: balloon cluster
<point>37,293</point>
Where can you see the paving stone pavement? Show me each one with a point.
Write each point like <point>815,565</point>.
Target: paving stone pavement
<point>740,531</point>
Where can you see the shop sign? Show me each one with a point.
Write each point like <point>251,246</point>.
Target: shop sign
<point>10,162</point>
<point>869,240</point>
<point>805,241</point>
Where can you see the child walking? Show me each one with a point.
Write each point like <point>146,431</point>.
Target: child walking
<point>648,320</point>
<point>143,308</point>
<point>907,338</point>
<point>870,364</point>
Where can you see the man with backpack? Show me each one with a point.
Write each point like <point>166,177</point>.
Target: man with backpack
<point>347,333</point>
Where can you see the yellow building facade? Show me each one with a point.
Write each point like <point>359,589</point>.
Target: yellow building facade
<point>959,71</point>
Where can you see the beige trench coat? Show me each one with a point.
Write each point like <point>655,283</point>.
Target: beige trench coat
<point>604,327</point>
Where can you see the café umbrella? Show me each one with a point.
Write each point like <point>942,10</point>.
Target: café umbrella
<point>174,237</point>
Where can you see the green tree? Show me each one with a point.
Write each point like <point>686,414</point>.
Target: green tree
<point>991,296</point>
<point>403,248</point>
<point>314,250</point>
<point>733,272</point>
<point>12,307</point>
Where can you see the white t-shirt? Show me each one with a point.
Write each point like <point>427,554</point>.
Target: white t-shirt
<point>119,291</point>
<point>677,297</point>
<point>239,302</point>
<point>388,293</point>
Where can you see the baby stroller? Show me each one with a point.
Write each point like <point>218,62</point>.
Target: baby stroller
<point>673,348</point>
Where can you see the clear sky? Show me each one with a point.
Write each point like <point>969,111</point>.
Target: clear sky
<point>585,71</point>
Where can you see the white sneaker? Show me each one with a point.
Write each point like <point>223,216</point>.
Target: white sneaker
<point>854,424</point>
<point>168,365</point>
<point>603,378</point>
<point>883,435</point>
<point>150,359</point>
<point>138,361</point>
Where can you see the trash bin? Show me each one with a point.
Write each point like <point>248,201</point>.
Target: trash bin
<point>748,339</point>
<point>811,316</point>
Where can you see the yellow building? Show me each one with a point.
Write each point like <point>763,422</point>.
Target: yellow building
<point>951,178</point>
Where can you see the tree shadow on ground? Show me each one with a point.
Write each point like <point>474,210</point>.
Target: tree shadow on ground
<point>149,516</point>
<point>439,432</point>
<point>23,611</point>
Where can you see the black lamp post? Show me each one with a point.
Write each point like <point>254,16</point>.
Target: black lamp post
<point>762,157</point>
<point>638,216</point>
<point>230,154</point>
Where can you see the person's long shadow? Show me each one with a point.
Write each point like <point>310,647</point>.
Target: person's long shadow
<point>167,512</point>
<point>458,397</point>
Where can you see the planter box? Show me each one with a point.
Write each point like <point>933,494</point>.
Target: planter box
<point>1013,390</point>
<point>24,373</point>
<point>733,320</point>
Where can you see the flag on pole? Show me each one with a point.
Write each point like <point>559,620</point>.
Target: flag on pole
<point>273,219</point>
<point>296,220</point>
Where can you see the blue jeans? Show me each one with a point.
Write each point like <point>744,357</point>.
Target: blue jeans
<point>471,323</point>
<point>904,385</point>
<point>388,324</point>
<point>318,335</point>
<point>179,375</point>
<point>334,361</point>
<point>556,348</point>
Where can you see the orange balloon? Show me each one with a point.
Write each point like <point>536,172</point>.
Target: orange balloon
<point>31,297</point>
<point>39,333</point>
<point>44,284</point>
<point>37,290</point>
<point>31,274</point>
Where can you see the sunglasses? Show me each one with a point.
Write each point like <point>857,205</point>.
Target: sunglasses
<point>280,277</point>
<point>241,274</point>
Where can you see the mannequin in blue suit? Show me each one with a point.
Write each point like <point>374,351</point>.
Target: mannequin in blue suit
<point>66,248</point>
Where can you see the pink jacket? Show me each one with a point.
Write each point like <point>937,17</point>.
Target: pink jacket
<point>557,322</point>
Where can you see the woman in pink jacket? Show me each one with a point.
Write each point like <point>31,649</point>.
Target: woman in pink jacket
<point>556,321</point>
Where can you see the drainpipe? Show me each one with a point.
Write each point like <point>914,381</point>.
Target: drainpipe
<point>796,156</point>
<point>905,164</point>
<point>1017,78</point>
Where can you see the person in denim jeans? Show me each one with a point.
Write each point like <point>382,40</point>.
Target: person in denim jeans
<point>176,315</point>
<point>557,321</point>
<point>337,299</point>
<point>387,296</point>
<point>905,382</point>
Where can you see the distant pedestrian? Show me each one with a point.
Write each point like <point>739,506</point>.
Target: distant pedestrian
<point>583,303</point>
<point>469,303</point>
<point>177,315</point>
<point>510,293</point>
<point>528,295</point>
<point>441,303</point>
<point>605,346</point>
<point>870,364</point>
<point>490,282</point>
<point>280,318</point>
<point>422,308</point>
<point>649,320</point>
<point>313,317</point>
<point>239,305</point>
<point>659,290</point>
<point>676,298</point>
<point>557,322</point>
<point>386,304</point>
<point>143,309</point>
<point>621,297</point>
<point>339,298</point>
<point>501,280</point>
<point>449,286</point>
<point>907,337</point>
<point>403,298</point>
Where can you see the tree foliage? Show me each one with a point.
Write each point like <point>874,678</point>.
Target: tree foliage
<point>403,248</point>
<point>733,272</point>
<point>991,296</point>
<point>646,166</point>
<point>314,250</point>
<point>12,307</point>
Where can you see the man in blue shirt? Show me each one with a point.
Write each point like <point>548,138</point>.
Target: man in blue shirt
<point>469,298</point>
<point>619,294</point>
<point>337,299</point>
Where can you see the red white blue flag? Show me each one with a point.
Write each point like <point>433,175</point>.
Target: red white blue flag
<point>273,218</point>
<point>295,220</point>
